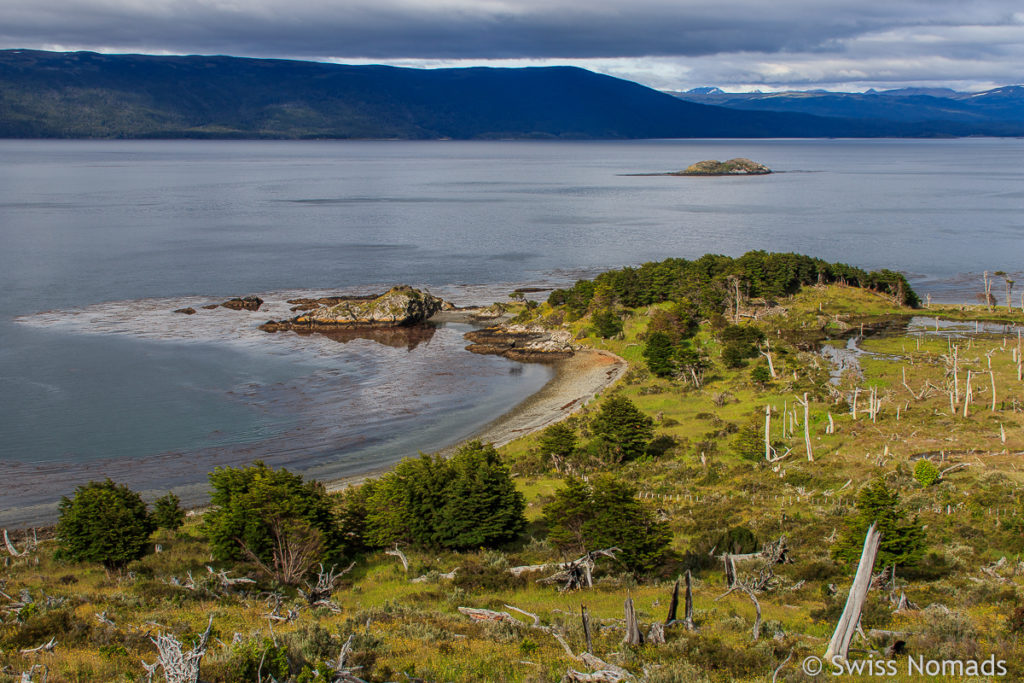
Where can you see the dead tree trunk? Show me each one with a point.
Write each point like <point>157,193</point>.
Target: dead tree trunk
<point>688,609</point>
<point>673,605</point>
<point>767,353</point>
<point>633,635</point>
<point>839,646</point>
<point>807,426</point>
<point>585,618</point>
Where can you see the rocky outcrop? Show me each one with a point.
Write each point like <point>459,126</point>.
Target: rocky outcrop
<point>247,303</point>
<point>737,166</point>
<point>306,304</point>
<point>522,342</point>
<point>399,306</point>
<point>186,311</point>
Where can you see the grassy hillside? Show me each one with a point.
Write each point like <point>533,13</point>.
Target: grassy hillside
<point>704,481</point>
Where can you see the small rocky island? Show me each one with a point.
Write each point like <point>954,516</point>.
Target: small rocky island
<point>737,166</point>
<point>398,307</point>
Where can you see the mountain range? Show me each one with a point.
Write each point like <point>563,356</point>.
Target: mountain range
<point>90,95</point>
<point>983,113</point>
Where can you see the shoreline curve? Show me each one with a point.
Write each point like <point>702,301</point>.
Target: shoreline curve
<point>577,381</point>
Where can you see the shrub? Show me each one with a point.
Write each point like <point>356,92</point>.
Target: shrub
<point>253,660</point>
<point>660,445</point>
<point>926,472</point>
<point>167,513</point>
<point>604,513</point>
<point>624,430</point>
<point>104,522</point>
<point>271,517</point>
<point>738,540</point>
<point>761,375</point>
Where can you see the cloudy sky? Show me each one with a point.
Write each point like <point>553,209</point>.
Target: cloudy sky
<point>667,44</point>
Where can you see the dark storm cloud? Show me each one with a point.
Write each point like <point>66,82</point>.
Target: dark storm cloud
<point>730,41</point>
<point>458,29</point>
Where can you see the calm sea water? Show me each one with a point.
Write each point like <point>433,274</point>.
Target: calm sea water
<point>108,237</point>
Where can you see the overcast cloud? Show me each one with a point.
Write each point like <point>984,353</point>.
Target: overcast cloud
<point>674,44</point>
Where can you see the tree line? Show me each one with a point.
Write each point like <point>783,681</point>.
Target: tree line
<point>710,283</point>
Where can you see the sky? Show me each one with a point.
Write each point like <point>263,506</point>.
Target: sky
<point>737,45</point>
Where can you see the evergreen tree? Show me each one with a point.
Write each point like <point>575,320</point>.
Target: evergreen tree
<point>167,512</point>
<point>256,508</point>
<point>607,323</point>
<point>405,502</point>
<point>749,440</point>
<point>903,540</point>
<point>660,355</point>
<point>104,522</point>
<point>623,429</point>
<point>558,439</point>
<point>606,513</point>
<point>466,502</point>
<point>566,516</point>
<point>483,506</point>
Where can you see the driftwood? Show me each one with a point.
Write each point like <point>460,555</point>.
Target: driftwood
<point>839,646</point>
<point>776,552</point>
<point>775,674</point>
<point>225,580</point>
<point>30,544</point>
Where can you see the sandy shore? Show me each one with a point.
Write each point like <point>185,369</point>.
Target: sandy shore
<point>577,380</point>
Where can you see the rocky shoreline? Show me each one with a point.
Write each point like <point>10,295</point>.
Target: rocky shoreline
<point>528,343</point>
